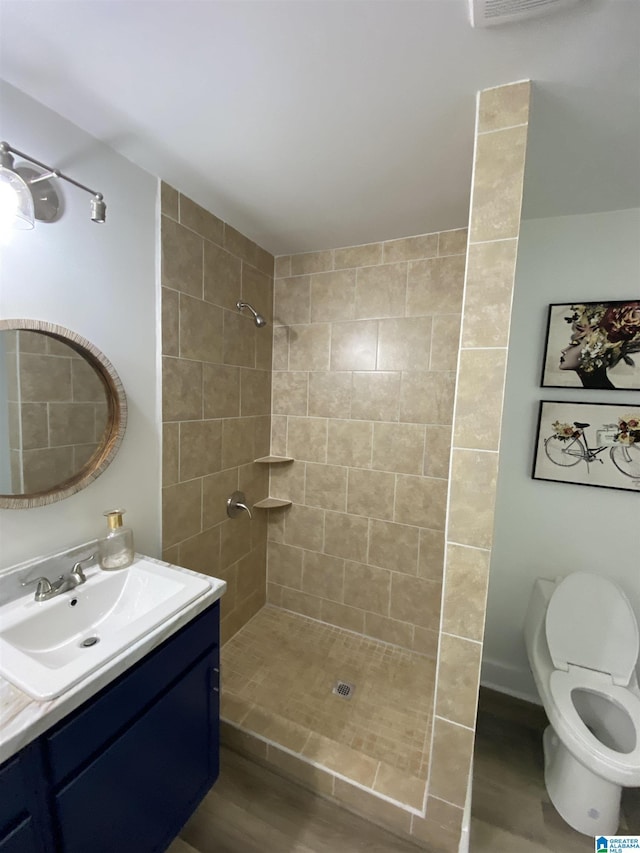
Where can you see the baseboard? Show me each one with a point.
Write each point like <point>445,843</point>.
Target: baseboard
<point>510,680</point>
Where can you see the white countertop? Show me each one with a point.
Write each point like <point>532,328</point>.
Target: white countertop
<point>23,719</point>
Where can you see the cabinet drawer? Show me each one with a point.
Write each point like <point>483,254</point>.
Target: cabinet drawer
<point>104,716</point>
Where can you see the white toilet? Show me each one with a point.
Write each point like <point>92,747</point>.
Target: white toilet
<point>582,641</point>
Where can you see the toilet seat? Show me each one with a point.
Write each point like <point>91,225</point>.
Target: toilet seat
<point>561,686</point>
<point>580,604</point>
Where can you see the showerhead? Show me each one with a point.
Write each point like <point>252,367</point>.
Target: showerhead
<point>258,319</point>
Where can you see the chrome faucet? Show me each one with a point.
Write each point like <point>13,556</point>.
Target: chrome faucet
<point>47,589</point>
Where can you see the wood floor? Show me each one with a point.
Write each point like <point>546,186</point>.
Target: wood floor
<point>251,810</point>
<point>511,809</point>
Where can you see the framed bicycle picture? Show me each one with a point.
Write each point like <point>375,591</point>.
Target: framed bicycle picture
<point>593,345</point>
<point>590,444</point>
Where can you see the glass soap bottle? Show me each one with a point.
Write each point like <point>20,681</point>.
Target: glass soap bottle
<point>116,549</point>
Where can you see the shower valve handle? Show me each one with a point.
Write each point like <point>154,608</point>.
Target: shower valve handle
<point>237,503</point>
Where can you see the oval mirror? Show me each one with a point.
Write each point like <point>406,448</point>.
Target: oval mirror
<point>63,413</point>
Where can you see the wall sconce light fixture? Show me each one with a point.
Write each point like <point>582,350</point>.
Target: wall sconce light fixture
<point>27,194</point>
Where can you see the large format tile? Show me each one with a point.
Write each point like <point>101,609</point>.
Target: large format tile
<point>381,291</point>
<point>472,498</point>
<point>479,398</point>
<point>490,276</point>
<point>497,187</point>
<point>181,258</point>
<point>332,296</point>
<point>504,106</point>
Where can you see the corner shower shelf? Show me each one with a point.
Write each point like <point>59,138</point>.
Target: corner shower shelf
<point>271,503</point>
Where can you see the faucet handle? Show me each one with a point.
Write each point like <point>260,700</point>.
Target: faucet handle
<point>236,503</point>
<point>44,586</point>
<point>77,573</point>
<point>34,580</point>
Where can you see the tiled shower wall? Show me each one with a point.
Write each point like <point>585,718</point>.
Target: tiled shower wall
<point>496,201</point>
<point>216,400</point>
<point>365,350</point>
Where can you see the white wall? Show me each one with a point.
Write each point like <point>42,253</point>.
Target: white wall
<point>542,528</point>
<point>99,281</point>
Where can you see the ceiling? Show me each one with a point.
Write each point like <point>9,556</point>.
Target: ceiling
<point>309,125</point>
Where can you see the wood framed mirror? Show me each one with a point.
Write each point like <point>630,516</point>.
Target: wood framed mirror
<point>63,413</point>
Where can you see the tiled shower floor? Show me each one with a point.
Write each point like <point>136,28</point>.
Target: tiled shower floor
<point>277,676</point>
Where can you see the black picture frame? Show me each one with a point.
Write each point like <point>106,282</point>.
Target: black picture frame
<point>593,345</point>
<point>588,444</point>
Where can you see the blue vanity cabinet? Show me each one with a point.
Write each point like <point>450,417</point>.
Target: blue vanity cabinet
<point>140,791</point>
<point>125,771</point>
<point>24,821</point>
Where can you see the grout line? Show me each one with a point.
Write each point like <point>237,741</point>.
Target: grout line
<point>448,802</point>
<point>453,723</point>
<point>496,240</point>
<point>503,86</point>
<point>407,261</point>
<point>473,449</point>
<point>431,344</point>
<point>500,129</point>
<point>475,349</point>
<point>395,495</point>
<point>460,637</point>
<point>464,545</point>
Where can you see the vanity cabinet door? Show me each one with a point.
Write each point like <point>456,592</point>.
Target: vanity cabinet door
<point>136,796</point>
<point>24,827</point>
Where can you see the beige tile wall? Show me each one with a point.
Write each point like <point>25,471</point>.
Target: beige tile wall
<point>216,400</point>
<point>57,412</point>
<point>493,237</point>
<point>365,349</point>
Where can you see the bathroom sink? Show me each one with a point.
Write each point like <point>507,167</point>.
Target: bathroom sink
<point>48,647</point>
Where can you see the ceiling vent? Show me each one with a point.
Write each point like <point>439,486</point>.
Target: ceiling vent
<point>490,13</point>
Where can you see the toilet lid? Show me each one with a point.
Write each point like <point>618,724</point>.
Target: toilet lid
<point>590,623</point>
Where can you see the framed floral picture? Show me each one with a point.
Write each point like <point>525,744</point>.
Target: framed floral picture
<point>592,345</point>
<point>590,444</point>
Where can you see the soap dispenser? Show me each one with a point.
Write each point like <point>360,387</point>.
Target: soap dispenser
<point>116,549</point>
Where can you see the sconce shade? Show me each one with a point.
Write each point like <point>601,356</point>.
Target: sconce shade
<point>16,201</point>
<point>26,194</point>
<point>47,204</point>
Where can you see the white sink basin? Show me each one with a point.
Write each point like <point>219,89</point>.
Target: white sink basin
<point>42,644</point>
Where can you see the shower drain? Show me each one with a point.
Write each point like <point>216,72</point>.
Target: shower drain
<point>343,689</point>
